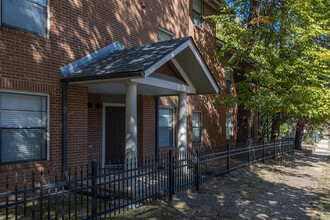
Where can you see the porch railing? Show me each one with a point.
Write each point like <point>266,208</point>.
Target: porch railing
<point>92,191</point>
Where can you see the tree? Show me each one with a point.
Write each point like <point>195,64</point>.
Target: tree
<point>290,74</point>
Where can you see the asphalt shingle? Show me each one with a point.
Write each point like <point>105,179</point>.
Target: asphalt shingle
<point>129,60</point>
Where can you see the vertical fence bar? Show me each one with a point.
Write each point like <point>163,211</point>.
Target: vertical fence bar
<point>56,192</point>
<point>94,189</point>
<point>7,199</point>
<point>263,151</point>
<point>249,153</point>
<point>171,176</point>
<point>274,148</point>
<point>41,195</point>
<point>75,194</point>
<point>16,189</point>
<point>69,191</point>
<point>48,192</point>
<point>81,194</point>
<point>228,157</point>
<point>25,187</point>
<point>197,168</point>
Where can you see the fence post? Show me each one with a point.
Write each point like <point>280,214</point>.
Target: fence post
<point>197,168</point>
<point>274,148</point>
<point>249,154</point>
<point>282,146</point>
<point>94,189</point>
<point>228,157</point>
<point>263,151</point>
<point>171,176</point>
<point>289,145</point>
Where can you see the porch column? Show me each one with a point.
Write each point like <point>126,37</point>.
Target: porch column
<point>182,125</point>
<point>131,122</point>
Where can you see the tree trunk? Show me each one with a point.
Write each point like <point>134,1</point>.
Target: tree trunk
<point>275,127</point>
<point>299,134</point>
<point>243,124</point>
<point>243,115</point>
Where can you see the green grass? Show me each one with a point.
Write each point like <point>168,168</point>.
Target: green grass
<point>77,205</point>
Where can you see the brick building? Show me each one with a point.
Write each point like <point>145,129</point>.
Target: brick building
<point>64,83</point>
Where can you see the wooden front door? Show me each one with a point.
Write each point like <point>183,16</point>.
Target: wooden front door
<point>114,134</point>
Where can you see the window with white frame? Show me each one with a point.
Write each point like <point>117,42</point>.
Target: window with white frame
<point>27,15</point>
<point>166,127</point>
<point>229,81</point>
<point>198,12</point>
<point>164,35</point>
<point>229,127</point>
<point>196,127</point>
<point>23,131</point>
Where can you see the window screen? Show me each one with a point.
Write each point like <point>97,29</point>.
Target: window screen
<point>196,127</point>
<point>197,12</point>
<point>165,136</point>
<point>28,15</point>
<point>23,127</point>
<point>164,36</point>
<point>229,127</point>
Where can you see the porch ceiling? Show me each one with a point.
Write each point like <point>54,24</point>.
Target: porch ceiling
<point>138,65</point>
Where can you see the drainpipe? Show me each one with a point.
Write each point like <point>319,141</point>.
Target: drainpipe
<point>65,131</point>
<point>156,129</point>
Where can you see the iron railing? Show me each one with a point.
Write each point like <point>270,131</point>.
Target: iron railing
<point>95,191</point>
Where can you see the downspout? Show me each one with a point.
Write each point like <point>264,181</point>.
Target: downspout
<point>65,131</point>
<point>157,129</point>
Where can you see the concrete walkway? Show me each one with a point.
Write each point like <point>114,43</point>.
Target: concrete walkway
<point>291,197</point>
<point>323,148</point>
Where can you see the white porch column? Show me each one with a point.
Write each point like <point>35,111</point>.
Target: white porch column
<point>131,122</point>
<point>182,125</point>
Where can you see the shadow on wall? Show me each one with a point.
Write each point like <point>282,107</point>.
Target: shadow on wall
<point>96,24</point>
<point>79,28</point>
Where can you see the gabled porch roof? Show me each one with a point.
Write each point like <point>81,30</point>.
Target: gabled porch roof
<point>139,64</point>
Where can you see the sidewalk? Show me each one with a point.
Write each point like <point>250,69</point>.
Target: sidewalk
<point>291,197</point>
<point>282,188</point>
<point>323,148</point>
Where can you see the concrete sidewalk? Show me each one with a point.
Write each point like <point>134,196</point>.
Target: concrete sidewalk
<point>291,197</point>
<point>323,148</point>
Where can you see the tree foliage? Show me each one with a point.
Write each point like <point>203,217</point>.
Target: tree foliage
<point>287,43</point>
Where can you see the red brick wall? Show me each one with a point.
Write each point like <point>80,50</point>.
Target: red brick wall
<point>78,28</point>
<point>94,127</point>
<point>167,69</point>
<point>77,125</point>
<point>146,125</point>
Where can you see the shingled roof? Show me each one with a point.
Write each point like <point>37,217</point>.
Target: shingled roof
<point>129,61</point>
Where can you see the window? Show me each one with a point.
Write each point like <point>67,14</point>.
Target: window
<point>23,130</point>
<point>196,127</point>
<point>28,15</point>
<point>229,127</point>
<point>166,127</point>
<point>197,13</point>
<point>229,81</point>
<point>164,35</point>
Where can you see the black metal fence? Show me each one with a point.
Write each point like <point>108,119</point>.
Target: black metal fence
<point>93,192</point>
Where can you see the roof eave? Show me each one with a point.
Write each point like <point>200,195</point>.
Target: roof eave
<point>103,77</point>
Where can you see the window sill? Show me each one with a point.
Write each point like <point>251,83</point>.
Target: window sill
<point>24,33</point>
<point>25,165</point>
<point>201,28</point>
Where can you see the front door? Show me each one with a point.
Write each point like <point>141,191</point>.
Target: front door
<point>114,134</point>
